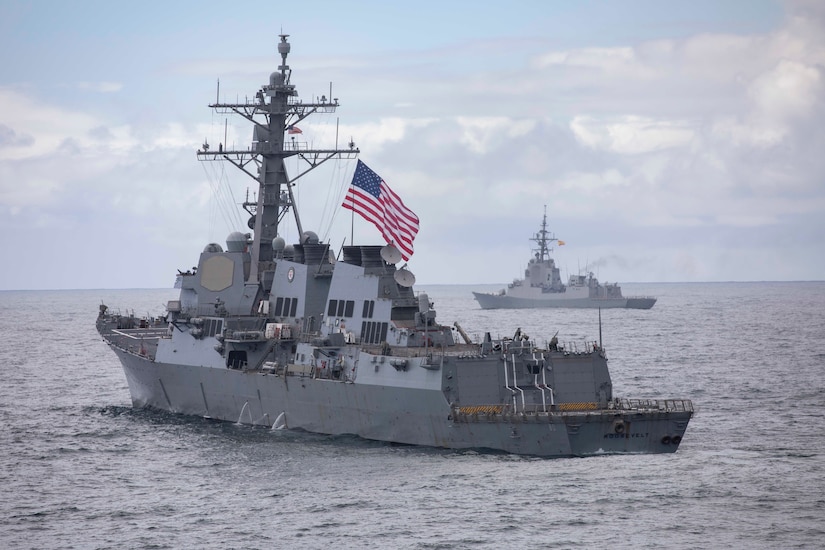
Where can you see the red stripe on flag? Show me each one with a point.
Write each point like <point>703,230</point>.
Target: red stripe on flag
<point>397,223</point>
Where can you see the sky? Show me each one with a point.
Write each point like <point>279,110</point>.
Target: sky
<point>668,141</point>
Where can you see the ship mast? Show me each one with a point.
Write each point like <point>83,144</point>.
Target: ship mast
<point>277,110</point>
<point>543,238</point>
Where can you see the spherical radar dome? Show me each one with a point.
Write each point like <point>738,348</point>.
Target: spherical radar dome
<point>283,45</point>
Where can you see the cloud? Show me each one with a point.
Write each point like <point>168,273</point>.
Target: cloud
<point>479,134</point>
<point>631,134</point>
<point>373,137</point>
<point>9,138</point>
<point>45,127</point>
<point>787,91</point>
<point>621,62</point>
<point>101,87</point>
<point>668,159</point>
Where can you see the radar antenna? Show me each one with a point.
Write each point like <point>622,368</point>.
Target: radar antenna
<point>404,277</point>
<point>391,254</point>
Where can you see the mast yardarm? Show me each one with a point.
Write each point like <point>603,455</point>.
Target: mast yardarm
<point>274,110</point>
<point>543,238</point>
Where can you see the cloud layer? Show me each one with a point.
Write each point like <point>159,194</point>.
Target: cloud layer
<point>693,158</point>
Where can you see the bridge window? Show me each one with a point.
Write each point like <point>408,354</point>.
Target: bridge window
<point>369,309</point>
<point>341,308</point>
<point>286,307</point>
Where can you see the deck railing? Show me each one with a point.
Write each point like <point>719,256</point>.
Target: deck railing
<point>588,408</point>
<point>668,405</point>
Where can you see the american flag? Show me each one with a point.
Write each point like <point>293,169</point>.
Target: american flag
<point>370,196</point>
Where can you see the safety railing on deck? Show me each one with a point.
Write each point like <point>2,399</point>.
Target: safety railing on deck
<point>585,408</point>
<point>668,405</point>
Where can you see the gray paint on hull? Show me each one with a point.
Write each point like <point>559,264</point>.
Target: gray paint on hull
<point>496,301</point>
<point>381,413</point>
<point>272,334</point>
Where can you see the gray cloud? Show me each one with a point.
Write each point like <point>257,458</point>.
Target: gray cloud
<point>690,158</point>
<point>10,138</point>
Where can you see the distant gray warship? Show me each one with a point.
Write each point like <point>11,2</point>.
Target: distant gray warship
<point>287,337</point>
<point>542,286</point>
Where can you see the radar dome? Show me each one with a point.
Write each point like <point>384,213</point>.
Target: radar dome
<point>309,237</point>
<point>276,79</point>
<point>235,242</point>
<point>278,244</point>
<point>283,45</point>
<point>213,247</point>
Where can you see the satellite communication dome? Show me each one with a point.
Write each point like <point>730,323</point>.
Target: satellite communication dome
<point>276,79</point>
<point>278,244</point>
<point>213,247</point>
<point>235,242</point>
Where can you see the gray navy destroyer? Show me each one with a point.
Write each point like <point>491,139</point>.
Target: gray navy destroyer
<point>542,285</point>
<point>287,337</point>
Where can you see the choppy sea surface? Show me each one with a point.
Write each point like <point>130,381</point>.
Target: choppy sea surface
<point>80,468</point>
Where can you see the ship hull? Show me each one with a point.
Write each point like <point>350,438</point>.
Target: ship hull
<point>504,301</point>
<point>293,336</point>
<point>393,414</point>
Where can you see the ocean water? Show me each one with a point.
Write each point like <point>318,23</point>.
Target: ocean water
<point>79,468</point>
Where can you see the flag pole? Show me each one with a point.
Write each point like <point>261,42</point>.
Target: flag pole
<point>351,224</point>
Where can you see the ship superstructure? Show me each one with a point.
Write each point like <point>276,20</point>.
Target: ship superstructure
<point>542,285</point>
<point>285,336</point>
